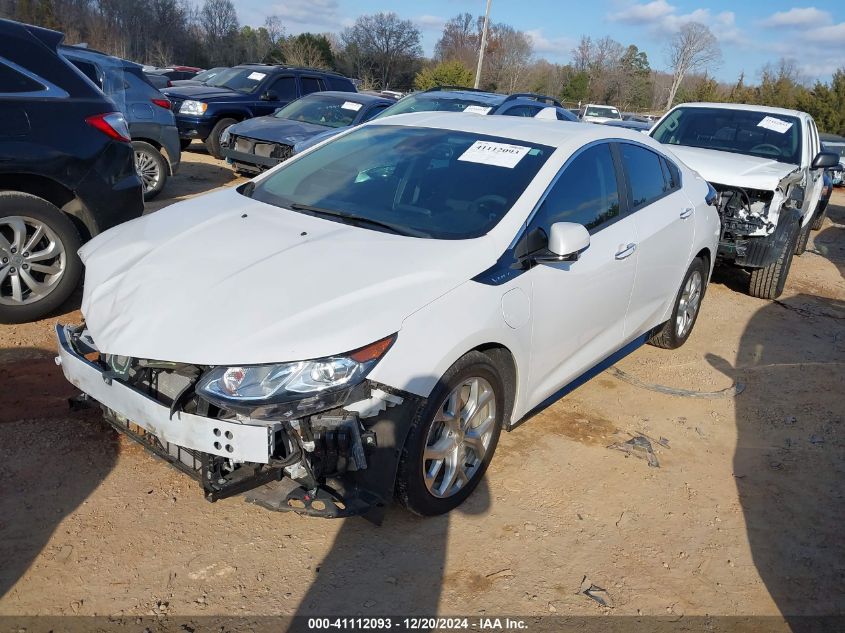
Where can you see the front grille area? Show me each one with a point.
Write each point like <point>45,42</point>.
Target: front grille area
<point>264,149</point>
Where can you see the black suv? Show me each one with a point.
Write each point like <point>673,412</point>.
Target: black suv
<point>67,171</point>
<point>245,91</point>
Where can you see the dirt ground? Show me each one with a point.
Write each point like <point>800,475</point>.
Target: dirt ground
<point>743,516</point>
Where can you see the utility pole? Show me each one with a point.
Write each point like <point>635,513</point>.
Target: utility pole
<point>483,44</point>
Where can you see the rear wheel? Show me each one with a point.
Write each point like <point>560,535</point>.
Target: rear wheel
<point>453,437</point>
<point>678,328</point>
<point>212,143</point>
<point>819,219</point>
<point>39,266</point>
<point>152,168</point>
<point>768,282</point>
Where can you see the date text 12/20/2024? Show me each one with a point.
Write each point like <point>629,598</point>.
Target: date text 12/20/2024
<point>417,624</point>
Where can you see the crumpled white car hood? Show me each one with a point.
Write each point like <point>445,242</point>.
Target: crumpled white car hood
<point>737,170</point>
<point>222,279</point>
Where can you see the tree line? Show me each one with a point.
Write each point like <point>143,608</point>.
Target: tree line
<point>384,51</point>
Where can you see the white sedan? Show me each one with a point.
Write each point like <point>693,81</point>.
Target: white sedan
<point>361,322</point>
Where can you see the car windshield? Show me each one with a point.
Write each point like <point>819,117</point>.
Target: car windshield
<point>206,75</point>
<point>422,182</point>
<point>325,110</point>
<point>746,132</point>
<point>610,113</point>
<point>839,148</point>
<point>427,102</point>
<point>240,79</point>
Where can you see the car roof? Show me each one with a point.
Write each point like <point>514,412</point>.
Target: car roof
<point>490,98</point>
<point>357,97</point>
<point>281,67</point>
<point>94,55</point>
<point>743,106</point>
<point>562,134</point>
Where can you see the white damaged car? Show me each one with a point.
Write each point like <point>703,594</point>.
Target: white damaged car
<point>362,321</point>
<point>767,165</point>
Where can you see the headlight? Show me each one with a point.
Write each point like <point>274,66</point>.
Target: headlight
<point>290,390</point>
<point>224,137</point>
<point>197,108</point>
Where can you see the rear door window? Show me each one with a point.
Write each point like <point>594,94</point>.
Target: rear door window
<point>310,84</point>
<point>523,110</point>
<point>646,178</point>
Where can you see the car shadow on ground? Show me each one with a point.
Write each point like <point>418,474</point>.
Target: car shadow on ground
<point>788,463</point>
<point>393,569</point>
<point>49,464</point>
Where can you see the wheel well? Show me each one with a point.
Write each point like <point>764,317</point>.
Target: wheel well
<point>54,193</point>
<point>704,254</point>
<point>503,359</point>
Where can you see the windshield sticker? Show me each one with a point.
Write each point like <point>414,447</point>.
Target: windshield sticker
<point>257,76</point>
<point>477,109</point>
<point>498,154</point>
<point>351,105</point>
<point>775,125</point>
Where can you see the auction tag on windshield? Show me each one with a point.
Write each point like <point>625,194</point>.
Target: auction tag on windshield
<point>257,76</point>
<point>775,125</point>
<point>498,154</point>
<point>476,109</point>
<point>351,105</point>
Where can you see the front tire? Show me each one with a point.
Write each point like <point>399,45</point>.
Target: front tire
<point>39,265</point>
<point>676,331</point>
<point>453,437</point>
<point>768,282</point>
<point>152,168</point>
<point>212,143</point>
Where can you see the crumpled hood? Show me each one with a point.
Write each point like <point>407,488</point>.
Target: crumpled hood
<point>737,170</point>
<point>270,128</point>
<point>223,279</point>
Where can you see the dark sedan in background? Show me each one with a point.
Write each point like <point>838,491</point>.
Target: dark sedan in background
<point>263,142</point>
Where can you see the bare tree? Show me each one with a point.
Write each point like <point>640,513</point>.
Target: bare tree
<point>275,29</point>
<point>219,20</point>
<point>304,51</point>
<point>383,46</point>
<point>693,48</point>
<point>507,57</point>
<point>459,41</point>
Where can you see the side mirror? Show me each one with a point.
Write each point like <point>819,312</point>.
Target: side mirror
<point>270,95</point>
<point>824,160</point>
<point>566,241</point>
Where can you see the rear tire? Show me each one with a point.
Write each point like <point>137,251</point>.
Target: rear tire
<point>152,168</point>
<point>212,143</point>
<point>458,437</point>
<point>676,331</point>
<point>768,282</point>
<point>46,264</point>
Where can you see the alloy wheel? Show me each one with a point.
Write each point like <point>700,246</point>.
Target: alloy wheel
<point>459,437</point>
<point>148,169</point>
<point>688,304</point>
<point>32,260</point>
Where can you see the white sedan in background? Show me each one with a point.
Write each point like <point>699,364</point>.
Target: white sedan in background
<point>362,321</point>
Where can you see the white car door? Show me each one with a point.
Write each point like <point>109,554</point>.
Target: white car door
<point>578,307</point>
<point>665,222</point>
<point>815,178</point>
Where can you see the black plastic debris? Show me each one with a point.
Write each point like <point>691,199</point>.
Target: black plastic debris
<point>639,446</point>
<point>595,592</point>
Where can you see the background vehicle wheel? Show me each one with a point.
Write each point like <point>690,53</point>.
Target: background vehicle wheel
<point>819,220</point>
<point>677,329</point>
<point>212,143</point>
<point>768,282</point>
<point>152,168</point>
<point>453,437</point>
<point>184,143</point>
<point>39,266</point>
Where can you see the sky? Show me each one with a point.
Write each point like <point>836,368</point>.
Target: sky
<point>751,32</point>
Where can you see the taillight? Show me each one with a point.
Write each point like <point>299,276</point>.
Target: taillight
<point>112,124</point>
<point>161,103</point>
<point>169,84</point>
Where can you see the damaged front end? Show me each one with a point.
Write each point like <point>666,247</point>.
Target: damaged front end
<point>755,221</point>
<point>331,454</point>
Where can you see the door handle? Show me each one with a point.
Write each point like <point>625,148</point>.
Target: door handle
<point>626,251</point>
<point>686,213</point>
